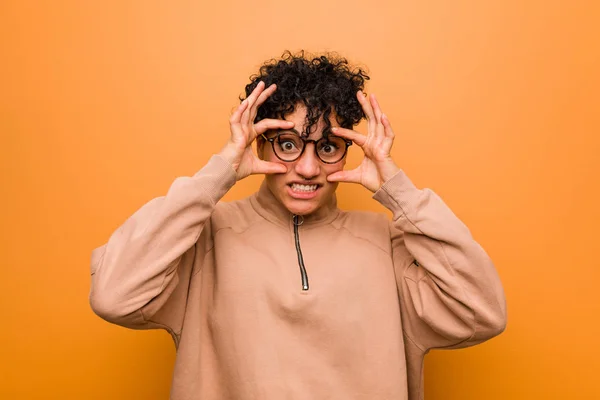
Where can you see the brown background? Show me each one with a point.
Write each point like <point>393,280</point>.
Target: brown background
<point>495,105</point>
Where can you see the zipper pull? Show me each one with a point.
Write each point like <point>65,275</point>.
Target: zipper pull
<point>298,220</point>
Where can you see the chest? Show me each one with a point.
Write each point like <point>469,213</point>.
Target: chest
<point>262,270</point>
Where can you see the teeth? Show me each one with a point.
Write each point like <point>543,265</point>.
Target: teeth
<point>303,188</point>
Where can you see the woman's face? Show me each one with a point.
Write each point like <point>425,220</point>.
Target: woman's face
<point>303,189</point>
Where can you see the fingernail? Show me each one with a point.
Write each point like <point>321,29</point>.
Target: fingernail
<point>334,128</point>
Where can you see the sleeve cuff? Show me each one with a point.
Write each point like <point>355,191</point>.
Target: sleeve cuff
<point>217,176</point>
<point>398,194</point>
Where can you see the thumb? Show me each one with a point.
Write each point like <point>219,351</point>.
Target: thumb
<point>352,176</point>
<point>265,167</point>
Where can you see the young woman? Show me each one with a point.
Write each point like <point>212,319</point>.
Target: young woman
<point>282,295</point>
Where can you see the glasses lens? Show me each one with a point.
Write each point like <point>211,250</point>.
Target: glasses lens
<point>331,149</point>
<point>288,146</point>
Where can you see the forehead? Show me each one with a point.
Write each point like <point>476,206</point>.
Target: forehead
<point>298,117</point>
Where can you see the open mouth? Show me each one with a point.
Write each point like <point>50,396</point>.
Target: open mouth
<point>298,188</point>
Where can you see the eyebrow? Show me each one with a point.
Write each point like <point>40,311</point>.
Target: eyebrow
<point>287,130</point>
<point>294,131</point>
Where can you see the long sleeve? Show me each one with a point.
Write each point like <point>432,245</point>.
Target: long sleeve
<point>140,277</point>
<point>450,293</point>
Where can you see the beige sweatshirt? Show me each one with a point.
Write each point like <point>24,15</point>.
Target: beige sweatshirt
<point>226,281</point>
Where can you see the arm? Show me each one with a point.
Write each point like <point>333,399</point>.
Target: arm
<point>146,264</point>
<point>450,293</point>
<point>140,278</point>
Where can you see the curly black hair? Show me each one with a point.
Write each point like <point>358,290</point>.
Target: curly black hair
<point>321,82</point>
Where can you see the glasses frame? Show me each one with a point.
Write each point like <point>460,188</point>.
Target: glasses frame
<point>306,141</point>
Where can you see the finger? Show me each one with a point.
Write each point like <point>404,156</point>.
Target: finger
<point>387,126</point>
<point>265,167</point>
<point>268,123</point>
<point>366,106</point>
<point>356,137</point>
<point>261,99</point>
<point>246,115</point>
<point>256,92</point>
<point>351,176</point>
<point>265,94</point>
<point>376,108</point>
<point>251,100</point>
<point>235,117</point>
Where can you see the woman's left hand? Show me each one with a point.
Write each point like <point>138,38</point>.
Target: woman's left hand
<point>377,166</point>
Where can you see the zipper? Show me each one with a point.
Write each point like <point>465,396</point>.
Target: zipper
<point>299,220</point>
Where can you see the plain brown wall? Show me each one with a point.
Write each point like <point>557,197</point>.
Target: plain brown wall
<point>495,105</point>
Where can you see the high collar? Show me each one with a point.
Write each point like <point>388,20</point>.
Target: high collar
<point>267,205</point>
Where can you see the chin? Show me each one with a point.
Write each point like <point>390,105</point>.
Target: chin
<point>301,208</point>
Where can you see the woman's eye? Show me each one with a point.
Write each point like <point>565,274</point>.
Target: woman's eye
<point>329,148</point>
<point>287,146</point>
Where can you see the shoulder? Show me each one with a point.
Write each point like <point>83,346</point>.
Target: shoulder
<point>237,215</point>
<point>366,225</point>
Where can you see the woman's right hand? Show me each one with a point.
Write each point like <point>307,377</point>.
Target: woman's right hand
<point>238,150</point>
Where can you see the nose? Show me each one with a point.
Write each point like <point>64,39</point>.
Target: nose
<point>308,165</point>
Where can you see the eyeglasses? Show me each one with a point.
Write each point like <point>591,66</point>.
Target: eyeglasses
<point>288,146</point>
